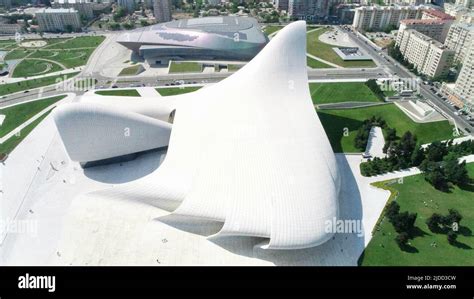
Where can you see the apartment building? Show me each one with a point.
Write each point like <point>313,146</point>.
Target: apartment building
<point>84,7</point>
<point>310,10</point>
<point>381,17</point>
<point>459,39</point>
<point>128,5</point>
<point>434,14</point>
<point>436,29</point>
<point>464,87</point>
<point>57,19</point>
<point>162,10</point>
<point>429,56</point>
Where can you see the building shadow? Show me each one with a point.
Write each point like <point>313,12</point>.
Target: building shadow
<point>336,126</point>
<point>127,171</point>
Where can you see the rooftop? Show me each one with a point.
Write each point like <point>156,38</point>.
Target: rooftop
<point>438,14</point>
<point>424,21</point>
<point>56,10</point>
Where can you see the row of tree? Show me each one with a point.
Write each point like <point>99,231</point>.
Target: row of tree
<point>403,223</point>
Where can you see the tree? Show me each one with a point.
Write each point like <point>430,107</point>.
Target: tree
<point>393,209</point>
<point>402,239</point>
<point>452,236</point>
<point>437,179</point>
<point>434,221</point>
<point>453,217</point>
<point>418,156</point>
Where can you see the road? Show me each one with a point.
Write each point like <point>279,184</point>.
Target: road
<point>395,68</point>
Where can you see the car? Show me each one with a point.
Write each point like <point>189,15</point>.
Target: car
<point>26,91</point>
<point>114,86</point>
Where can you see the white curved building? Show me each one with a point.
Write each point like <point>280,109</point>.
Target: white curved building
<point>249,151</point>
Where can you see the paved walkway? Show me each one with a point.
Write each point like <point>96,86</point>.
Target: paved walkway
<point>148,92</point>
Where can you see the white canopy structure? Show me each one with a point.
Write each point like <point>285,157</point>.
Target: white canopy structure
<point>249,151</point>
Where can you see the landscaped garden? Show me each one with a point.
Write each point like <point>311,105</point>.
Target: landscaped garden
<point>415,195</point>
<point>325,93</point>
<point>35,67</point>
<point>185,67</point>
<point>119,92</point>
<point>33,83</point>
<point>316,64</point>
<point>172,91</point>
<point>18,114</point>
<point>341,125</point>
<point>325,51</point>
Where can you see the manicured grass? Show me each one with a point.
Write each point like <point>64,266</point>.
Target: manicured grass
<point>270,29</point>
<point>323,93</point>
<point>33,83</point>
<point>17,54</point>
<point>316,64</point>
<point>9,145</point>
<point>119,92</point>
<point>336,121</point>
<point>185,67</point>
<point>79,42</point>
<point>34,67</point>
<point>415,195</point>
<point>322,50</point>
<point>234,67</point>
<point>176,90</point>
<point>68,58</point>
<point>130,71</point>
<point>18,114</point>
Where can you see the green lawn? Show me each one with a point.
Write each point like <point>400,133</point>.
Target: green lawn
<point>18,114</point>
<point>17,54</point>
<point>176,90</point>
<point>33,67</point>
<point>119,92</point>
<point>79,42</point>
<point>323,93</point>
<point>322,50</point>
<point>9,145</point>
<point>33,83</point>
<point>418,196</point>
<point>316,64</point>
<point>335,122</point>
<point>130,71</point>
<point>234,67</point>
<point>68,58</point>
<point>185,67</point>
<point>270,29</point>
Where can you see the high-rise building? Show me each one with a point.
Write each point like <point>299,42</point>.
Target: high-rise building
<point>381,17</point>
<point>310,10</point>
<point>6,3</point>
<point>429,56</point>
<point>459,39</point>
<point>58,19</point>
<point>437,29</point>
<point>464,87</point>
<point>465,3</point>
<point>434,14</point>
<point>282,4</point>
<point>128,5</point>
<point>84,7</point>
<point>162,10</point>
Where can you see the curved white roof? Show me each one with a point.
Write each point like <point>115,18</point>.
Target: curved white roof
<point>249,151</point>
